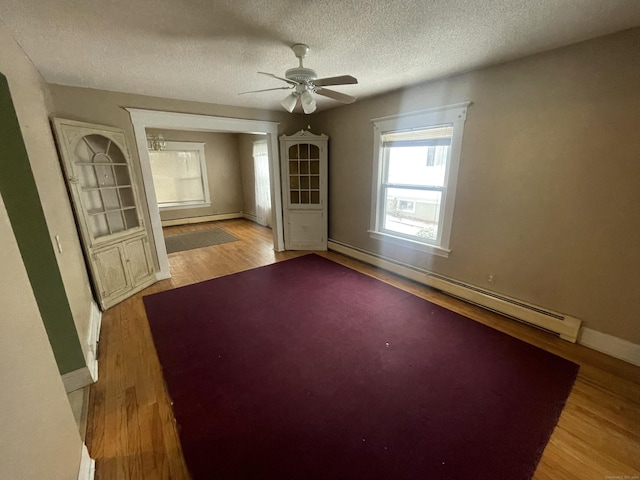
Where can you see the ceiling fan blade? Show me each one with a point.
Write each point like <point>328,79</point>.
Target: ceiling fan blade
<point>341,97</point>
<point>290,82</point>
<point>266,90</point>
<point>341,80</point>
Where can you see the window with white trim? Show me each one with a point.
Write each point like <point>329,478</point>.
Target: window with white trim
<point>416,158</point>
<point>180,176</point>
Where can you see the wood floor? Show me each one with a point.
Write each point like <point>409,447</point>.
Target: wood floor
<point>131,431</point>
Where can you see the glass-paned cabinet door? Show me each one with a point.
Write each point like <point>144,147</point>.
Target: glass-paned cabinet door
<point>304,174</point>
<point>97,167</point>
<point>102,174</point>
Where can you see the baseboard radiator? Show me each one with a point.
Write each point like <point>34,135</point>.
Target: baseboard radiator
<point>565,326</point>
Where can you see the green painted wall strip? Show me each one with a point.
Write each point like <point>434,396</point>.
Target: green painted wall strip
<point>22,202</point>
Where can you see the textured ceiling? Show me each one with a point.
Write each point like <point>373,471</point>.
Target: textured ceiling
<point>210,50</point>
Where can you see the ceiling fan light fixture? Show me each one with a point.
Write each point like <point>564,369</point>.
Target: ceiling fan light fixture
<point>309,108</point>
<point>305,82</point>
<point>308,102</point>
<point>289,102</point>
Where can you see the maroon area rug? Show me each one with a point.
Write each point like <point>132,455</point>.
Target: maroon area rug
<point>306,369</point>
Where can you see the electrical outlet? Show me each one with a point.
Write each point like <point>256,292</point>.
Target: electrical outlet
<point>491,278</point>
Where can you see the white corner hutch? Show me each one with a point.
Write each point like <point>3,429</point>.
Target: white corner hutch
<point>102,186</point>
<point>304,179</point>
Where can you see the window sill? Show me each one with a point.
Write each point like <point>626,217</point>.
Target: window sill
<point>405,242</point>
<point>181,206</point>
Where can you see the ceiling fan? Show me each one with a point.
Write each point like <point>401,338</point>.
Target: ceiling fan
<point>304,82</point>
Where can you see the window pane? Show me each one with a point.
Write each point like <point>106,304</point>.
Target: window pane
<point>190,190</point>
<point>437,134</point>
<point>126,195</point>
<point>115,221</point>
<point>131,218</point>
<point>177,176</point>
<point>412,212</point>
<point>110,199</point>
<point>417,165</point>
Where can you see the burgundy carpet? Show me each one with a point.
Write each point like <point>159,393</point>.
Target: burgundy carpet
<point>309,370</point>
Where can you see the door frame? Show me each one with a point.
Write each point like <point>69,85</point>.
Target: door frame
<point>143,119</point>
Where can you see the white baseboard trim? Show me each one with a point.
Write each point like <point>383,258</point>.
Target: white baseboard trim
<point>254,219</point>
<point>249,216</point>
<point>87,470</point>
<point>162,276</point>
<point>399,268</point>
<point>205,218</point>
<point>613,346</point>
<point>77,379</point>
<point>94,337</point>
<point>88,374</point>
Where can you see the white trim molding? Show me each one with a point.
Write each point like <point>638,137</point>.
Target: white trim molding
<point>142,119</point>
<point>447,115</point>
<point>201,219</point>
<point>94,337</point>
<point>87,469</point>
<point>88,374</point>
<point>614,346</point>
<point>77,379</point>
<point>250,216</point>
<point>412,244</point>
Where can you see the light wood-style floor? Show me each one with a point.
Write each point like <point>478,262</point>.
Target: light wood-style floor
<point>131,431</point>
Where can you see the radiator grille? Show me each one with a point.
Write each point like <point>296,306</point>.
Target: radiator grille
<point>500,297</point>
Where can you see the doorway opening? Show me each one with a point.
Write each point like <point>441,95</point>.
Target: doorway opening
<point>144,120</point>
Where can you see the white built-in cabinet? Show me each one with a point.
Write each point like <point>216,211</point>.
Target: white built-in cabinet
<point>304,180</point>
<point>104,194</point>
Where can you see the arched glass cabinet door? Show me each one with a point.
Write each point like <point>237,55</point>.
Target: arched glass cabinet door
<point>304,174</point>
<point>106,191</point>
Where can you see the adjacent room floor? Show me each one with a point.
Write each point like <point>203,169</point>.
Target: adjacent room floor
<point>131,432</point>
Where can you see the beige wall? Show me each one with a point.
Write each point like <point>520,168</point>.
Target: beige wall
<point>223,172</point>
<point>39,438</point>
<point>548,197</point>
<point>29,97</point>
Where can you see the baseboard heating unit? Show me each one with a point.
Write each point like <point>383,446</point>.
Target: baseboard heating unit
<point>565,326</point>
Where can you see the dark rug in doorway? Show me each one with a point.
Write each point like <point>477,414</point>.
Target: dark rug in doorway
<point>202,238</point>
<point>306,369</point>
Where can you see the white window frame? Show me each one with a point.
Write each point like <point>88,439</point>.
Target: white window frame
<point>451,114</point>
<point>190,147</point>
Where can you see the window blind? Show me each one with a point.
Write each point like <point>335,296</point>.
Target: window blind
<point>430,137</point>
